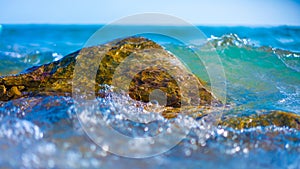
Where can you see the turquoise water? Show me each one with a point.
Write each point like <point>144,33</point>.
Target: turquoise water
<point>262,68</point>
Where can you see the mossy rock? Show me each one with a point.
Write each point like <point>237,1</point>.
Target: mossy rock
<point>276,118</point>
<point>56,78</point>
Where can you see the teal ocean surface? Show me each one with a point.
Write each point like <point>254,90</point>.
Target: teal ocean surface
<point>262,70</point>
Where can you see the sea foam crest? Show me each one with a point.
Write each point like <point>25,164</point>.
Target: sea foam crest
<point>229,40</point>
<point>289,58</point>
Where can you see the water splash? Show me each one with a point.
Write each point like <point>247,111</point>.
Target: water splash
<point>17,130</point>
<point>44,132</point>
<point>63,143</point>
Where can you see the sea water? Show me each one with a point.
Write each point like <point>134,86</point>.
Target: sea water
<point>262,70</point>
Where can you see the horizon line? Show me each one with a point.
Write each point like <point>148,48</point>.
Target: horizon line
<point>133,24</point>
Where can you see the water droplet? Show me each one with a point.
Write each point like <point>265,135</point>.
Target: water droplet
<point>245,150</point>
<point>188,152</point>
<point>160,129</point>
<point>287,146</point>
<point>225,134</point>
<point>105,147</point>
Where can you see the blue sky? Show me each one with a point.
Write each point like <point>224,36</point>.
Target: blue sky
<point>200,12</point>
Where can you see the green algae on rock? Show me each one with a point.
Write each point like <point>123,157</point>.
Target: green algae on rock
<point>56,78</point>
<point>276,118</point>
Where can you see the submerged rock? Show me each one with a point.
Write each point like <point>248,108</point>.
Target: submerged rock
<point>276,118</point>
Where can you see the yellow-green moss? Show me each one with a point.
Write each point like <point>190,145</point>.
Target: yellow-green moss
<point>277,118</point>
<point>56,77</point>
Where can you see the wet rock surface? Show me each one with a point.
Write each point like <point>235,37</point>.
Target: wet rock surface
<point>273,118</point>
<point>56,78</point>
